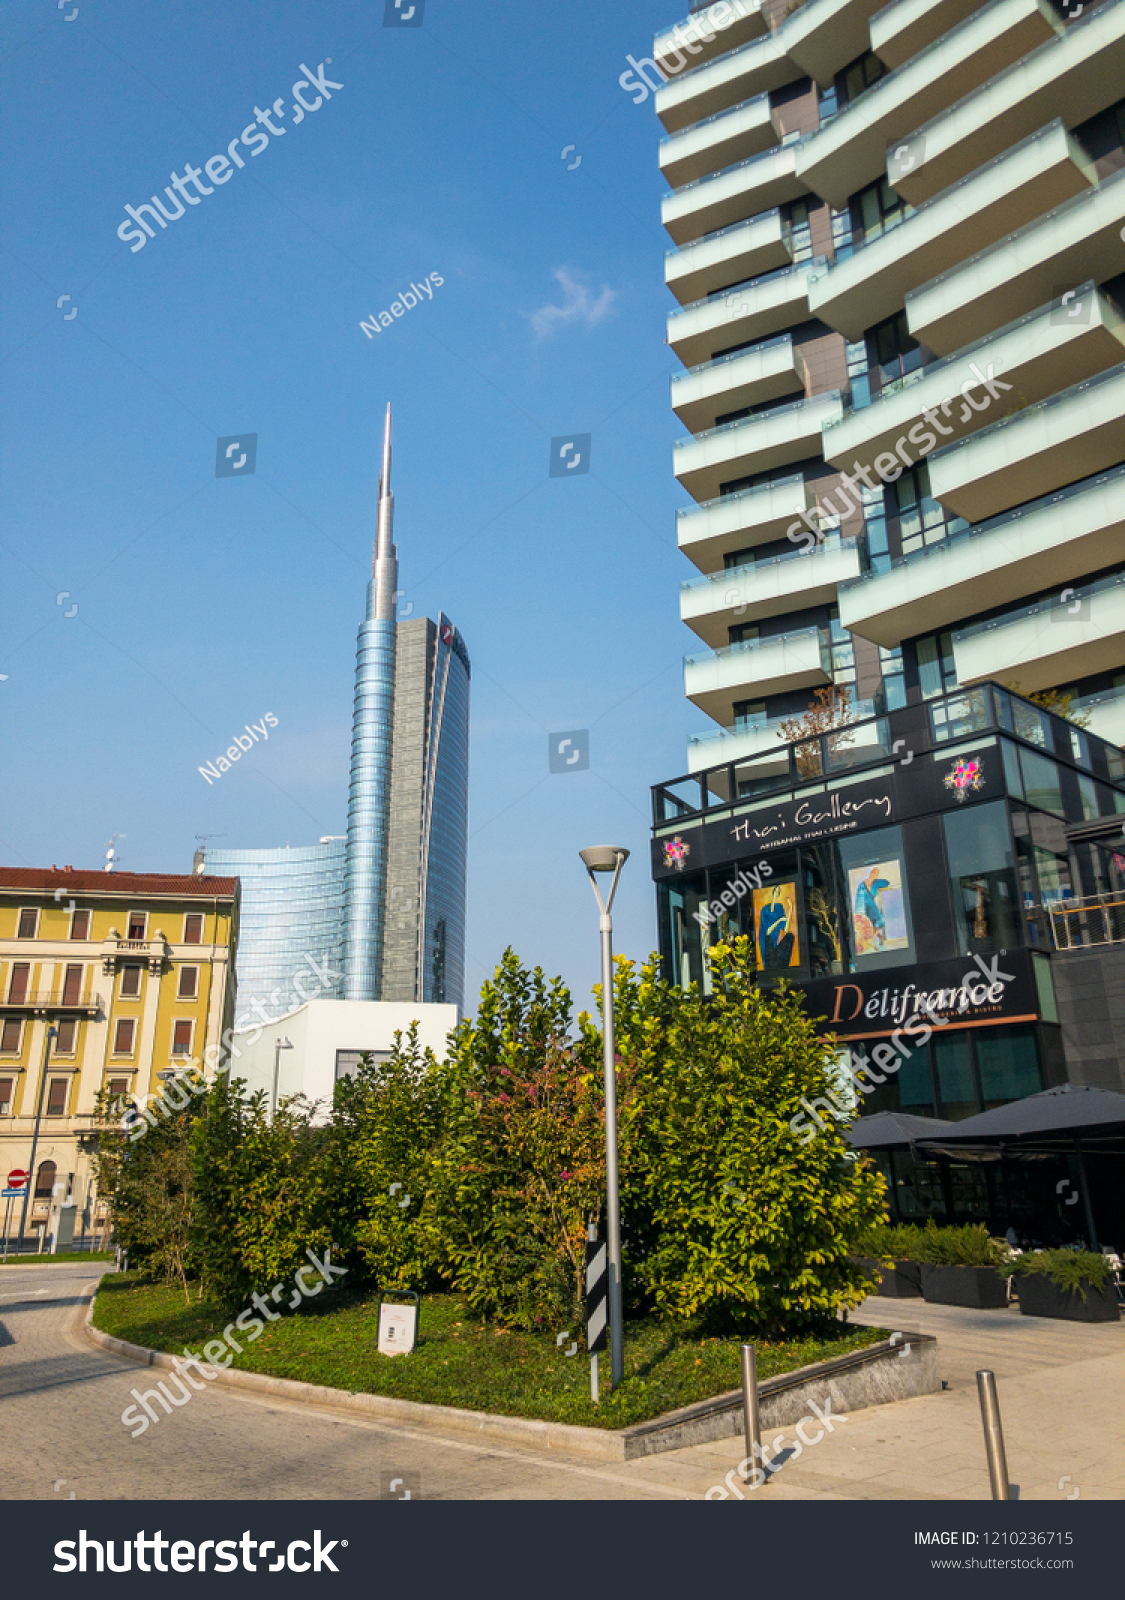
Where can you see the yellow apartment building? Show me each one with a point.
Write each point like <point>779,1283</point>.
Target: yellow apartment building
<point>135,971</point>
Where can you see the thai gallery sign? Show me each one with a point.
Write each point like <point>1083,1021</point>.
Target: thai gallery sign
<point>821,816</point>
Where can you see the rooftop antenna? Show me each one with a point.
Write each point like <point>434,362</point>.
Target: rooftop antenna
<point>111,862</point>
<point>199,861</point>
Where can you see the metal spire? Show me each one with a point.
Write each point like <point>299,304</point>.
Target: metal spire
<point>384,568</point>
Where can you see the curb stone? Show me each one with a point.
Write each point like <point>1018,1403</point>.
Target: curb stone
<point>783,1399</point>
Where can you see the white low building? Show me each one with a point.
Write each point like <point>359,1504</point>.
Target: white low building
<point>311,1048</point>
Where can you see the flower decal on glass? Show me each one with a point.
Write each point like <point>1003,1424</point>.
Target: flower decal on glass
<point>962,777</point>
<point>676,853</point>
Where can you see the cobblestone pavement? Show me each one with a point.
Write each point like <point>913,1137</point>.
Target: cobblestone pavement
<point>1062,1397</point>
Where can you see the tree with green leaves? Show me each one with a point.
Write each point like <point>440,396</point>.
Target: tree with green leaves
<point>727,1209</point>
<point>150,1184</point>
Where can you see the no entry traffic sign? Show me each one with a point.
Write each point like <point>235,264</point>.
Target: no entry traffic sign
<point>17,1179</point>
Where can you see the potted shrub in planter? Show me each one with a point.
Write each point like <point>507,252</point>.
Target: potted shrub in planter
<point>891,1255</point>
<point>1076,1285</point>
<point>960,1267</point>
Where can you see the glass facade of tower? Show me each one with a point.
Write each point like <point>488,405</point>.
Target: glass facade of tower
<point>445,836</point>
<point>292,915</point>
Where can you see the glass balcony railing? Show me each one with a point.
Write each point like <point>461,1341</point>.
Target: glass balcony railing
<point>829,545</point>
<point>867,741</point>
<point>762,157</point>
<point>787,408</point>
<point>717,296</point>
<point>747,646</point>
<point>1078,597</point>
<point>734,355</point>
<point>731,227</point>
<point>790,481</point>
<point>954,542</point>
<point>761,100</point>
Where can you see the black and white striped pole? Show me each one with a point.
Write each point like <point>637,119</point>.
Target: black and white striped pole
<point>596,1282</point>
<point>610,858</point>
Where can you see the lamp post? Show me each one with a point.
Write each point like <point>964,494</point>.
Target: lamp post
<point>610,858</point>
<point>279,1046</point>
<point>52,1033</point>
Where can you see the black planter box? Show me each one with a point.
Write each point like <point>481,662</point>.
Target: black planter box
<point>902,1282</point>
<point>981,1288</point>
<point>1039,1297</point>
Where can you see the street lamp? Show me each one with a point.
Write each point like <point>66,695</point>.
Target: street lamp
<point>610,858</point>
<point>52,1033</point>
<point>279,1046</point>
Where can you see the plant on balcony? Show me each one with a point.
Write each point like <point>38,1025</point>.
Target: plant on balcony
<point>1059,701</point>
<point>831,708</point>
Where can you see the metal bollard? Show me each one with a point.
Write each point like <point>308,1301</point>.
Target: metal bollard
<point>750,1407</point>
<point>993,1435</point>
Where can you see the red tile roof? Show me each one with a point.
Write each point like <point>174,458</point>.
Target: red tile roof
<point>45,880</point>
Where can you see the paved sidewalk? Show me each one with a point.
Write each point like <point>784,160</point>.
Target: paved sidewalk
<point>1062,1396</point>
<point>1062,1403</point>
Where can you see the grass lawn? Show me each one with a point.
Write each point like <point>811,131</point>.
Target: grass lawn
<point>63,1255</point>
<point>459,1360</point>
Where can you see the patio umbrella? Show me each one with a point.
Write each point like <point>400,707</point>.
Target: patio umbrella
<point>885,1130</point>
<point>1053,1122</point>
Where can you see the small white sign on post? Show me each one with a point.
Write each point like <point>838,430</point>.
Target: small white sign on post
<point>398,1329</point>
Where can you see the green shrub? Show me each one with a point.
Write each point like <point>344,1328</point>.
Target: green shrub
<point>734,1203</point>
<point>887,1242</point>
<point>1072,1271</point>
<point>968,1246</point>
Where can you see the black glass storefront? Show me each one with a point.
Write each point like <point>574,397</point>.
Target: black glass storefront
<point>915,855</point>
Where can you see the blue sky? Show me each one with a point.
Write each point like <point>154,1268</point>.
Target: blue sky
<point>203,603</point>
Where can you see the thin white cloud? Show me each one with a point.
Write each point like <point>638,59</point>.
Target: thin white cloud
<point>580,304</point>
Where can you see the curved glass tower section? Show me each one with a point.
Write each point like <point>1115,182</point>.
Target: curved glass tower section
<point>372,748</point>
<point>292,906</point>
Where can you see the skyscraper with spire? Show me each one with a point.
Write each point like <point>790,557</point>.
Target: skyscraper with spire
<point>369,796</point>
<point>390,899</point>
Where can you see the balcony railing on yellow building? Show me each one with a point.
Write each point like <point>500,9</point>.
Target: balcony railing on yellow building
<point>44,1002</point>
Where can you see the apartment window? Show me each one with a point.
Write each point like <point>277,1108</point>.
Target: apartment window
<point>843,653</point>
<point>68,1035</point>
<point>749,714</point>
<point>28,923</point>
<point>894,687</point>
<point>181,1036</point>
<point>72,986</point>
<point>189,983</point>
<point>877,209</point>
<point>118,1086</point>
<point>123,1036</point>
<point>45,1179</point>
<point>743,633</point>
<point>193,928</point>
<point>800,230</point>
<point>893,354</point>
<point>7,1088</point>
<point>17,988</point>
<point>920,520</point>
<point>136,925</point>
<point>56,1097</point>
<point>10,1036</point>
<point>130,981</point>
<point>80,925</point>
<point>857,78</point>
<point>936,671</point>
<point>841,233</point>
<point>859,384</point>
